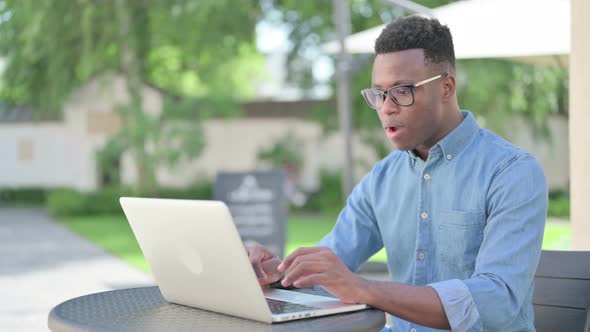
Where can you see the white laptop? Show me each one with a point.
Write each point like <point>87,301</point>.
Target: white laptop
<point>198,259</point>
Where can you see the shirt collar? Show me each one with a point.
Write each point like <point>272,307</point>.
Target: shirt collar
<point>414,157</point>
<point>413,154</point>
<point>455,140</point>
<point>452,144</point>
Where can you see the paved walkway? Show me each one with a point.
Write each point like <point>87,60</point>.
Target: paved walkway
<point>43,264</point>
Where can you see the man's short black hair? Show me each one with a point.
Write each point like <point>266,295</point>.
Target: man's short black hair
<point>418,32</point>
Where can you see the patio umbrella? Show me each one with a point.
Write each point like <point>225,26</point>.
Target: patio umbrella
<point>533,31</point>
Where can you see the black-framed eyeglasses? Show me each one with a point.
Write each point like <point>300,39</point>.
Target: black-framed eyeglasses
<point>402,95</point>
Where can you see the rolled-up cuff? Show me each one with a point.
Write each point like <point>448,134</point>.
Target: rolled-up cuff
<point>458,305</point>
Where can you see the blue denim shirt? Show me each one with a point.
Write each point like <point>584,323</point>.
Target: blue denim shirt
<point>467,222</point>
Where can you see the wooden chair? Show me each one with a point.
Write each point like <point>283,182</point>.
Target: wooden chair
<point>562,291</point>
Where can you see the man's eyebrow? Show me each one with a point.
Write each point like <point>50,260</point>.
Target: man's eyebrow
<point>399,82</point>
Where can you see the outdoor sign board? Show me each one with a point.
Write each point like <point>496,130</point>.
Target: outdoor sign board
<point>258,205</point>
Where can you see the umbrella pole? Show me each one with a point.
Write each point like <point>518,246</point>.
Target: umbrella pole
<point>344,101</point>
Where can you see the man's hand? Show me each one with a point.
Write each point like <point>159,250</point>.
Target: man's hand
<point>307,267</point>
<point>264,264</point>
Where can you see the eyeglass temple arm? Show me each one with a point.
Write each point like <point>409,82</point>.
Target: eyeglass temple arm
<point>417,84</point>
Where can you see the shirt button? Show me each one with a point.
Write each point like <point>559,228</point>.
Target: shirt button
<point>449,157</point>
<point>413,330</point>
<point>424,215</point>
<point>421,256</point>
<point>426,176</point>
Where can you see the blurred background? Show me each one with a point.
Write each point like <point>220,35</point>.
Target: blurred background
<point>155,98</point>
<point>101,99</point>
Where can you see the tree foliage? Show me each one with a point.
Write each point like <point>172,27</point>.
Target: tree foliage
<point>497,90</point>
<point>286,152</point>
<point>189,49</point>
<point>492,89</point>
<point>184,47</point>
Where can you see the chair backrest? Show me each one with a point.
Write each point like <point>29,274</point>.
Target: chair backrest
<point>562,291</point>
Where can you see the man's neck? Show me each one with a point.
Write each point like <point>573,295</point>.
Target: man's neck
<point>457,117</point>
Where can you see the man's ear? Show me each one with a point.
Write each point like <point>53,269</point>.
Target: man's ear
<point>447,87</point>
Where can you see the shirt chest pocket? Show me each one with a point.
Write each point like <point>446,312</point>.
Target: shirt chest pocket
<point>458,237</point>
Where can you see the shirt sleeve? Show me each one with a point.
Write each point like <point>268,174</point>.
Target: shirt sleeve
<point>508,257</point>
<point>356,236</point>
<point>459,305</point>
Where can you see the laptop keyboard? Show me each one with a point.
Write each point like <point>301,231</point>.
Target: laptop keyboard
<point>281,307</point>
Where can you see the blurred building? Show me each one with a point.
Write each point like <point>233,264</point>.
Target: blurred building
<point>62,153</point>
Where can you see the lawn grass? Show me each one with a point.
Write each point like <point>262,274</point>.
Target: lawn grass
<point>114,235</point>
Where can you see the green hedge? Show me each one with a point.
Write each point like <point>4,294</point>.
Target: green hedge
<point>328,199</point>
<point>201,191</point>
<point>23,196</point>
<point>559,204</point>
<point>67,202</point>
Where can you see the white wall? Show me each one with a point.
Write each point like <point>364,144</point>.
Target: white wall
<point>553,154</point>
<point>233,145</point>
<point>105,92</point>
<point>64,153</point>
<point>91,118</point>
<point>58,158</point>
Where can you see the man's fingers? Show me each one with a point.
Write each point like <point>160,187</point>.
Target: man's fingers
<point>270,265</point>
<point>299,252</point>
<point>310,280</point>
<point>305,259</point>
<point>267,254</point>
<point>256,255</point>
<point>264,264</point>
<point>259,253</point>
<point>311,256</point>
<point>271,274</point>
<point>268,279</point>
<point>303,269</point>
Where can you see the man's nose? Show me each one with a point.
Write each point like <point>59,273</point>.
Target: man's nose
<point>389,107</point>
